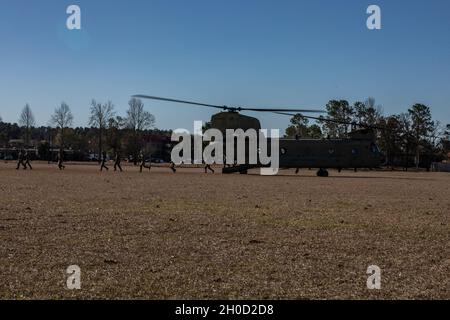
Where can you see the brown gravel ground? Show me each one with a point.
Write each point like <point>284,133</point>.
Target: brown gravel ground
<point>189,235</point>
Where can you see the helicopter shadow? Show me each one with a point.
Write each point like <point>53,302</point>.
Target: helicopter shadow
<point>299,176</point>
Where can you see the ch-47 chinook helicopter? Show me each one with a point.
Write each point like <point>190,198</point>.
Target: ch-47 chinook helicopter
<point>359,150</point>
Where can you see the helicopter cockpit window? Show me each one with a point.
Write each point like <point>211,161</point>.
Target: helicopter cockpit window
<point>283,151</point>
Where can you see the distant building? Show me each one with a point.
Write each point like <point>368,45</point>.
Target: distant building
<point>20,143</point>
<point>16,143</point>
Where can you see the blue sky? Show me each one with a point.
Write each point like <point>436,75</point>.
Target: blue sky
<point>257,53</point>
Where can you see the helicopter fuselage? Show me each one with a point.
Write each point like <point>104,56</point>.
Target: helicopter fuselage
<point>359,150</point>
<point>329,153</point>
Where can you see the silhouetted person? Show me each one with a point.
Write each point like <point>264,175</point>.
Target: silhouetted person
<point>117,162</point>
<point>172,167</point>
<point>20,157</point>
<point>142,163</point>
<point>208,167</point>
<point>61,166</point>
<point>103,163</point>
<point>27,160</point>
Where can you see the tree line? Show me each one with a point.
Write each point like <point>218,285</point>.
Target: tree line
<point>107,131</point>
<point>402,137</point>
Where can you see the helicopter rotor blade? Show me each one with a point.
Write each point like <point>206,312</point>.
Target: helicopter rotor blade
<point>308,117</point>
<point>226,107</point>
<point>180,101</point>
<point>332,120</point>
<point>283,110</point>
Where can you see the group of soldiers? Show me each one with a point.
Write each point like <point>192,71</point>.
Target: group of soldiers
<point>143,164</point>
<point>141,161</point>
<point>24,161</point>
<point>117,159</point>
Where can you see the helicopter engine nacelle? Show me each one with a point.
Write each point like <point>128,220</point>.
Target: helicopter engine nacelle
<point>234,120</point>
<point>363,134</point>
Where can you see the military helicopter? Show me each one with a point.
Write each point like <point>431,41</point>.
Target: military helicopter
<point>359,150</point>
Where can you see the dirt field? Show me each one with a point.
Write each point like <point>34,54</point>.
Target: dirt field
<point>160,235</point>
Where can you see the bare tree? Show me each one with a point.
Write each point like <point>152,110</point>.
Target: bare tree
<point>62,118</point>
<point>27,121</point>
<point>137,120</point>
<point>99,118</point>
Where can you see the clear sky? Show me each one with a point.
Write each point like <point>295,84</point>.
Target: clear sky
<point>259,53</point>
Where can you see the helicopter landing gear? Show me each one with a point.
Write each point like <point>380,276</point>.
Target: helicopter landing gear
<point>243,172</point>
<point>322,172</point>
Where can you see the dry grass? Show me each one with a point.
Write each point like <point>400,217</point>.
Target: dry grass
<point>189,235</point>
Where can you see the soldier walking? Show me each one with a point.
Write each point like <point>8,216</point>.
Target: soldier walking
<point>117,162</point>
<point>27,160</point>
<point>103,163</point>
<point>208,167</point>
<point>142,163</point>
<point>20,161</point>
<point>172,167</point>
<point>61,166</point>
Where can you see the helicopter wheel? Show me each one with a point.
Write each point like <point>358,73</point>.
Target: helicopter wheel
<point>322,172</point>
<point>243,172</point>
